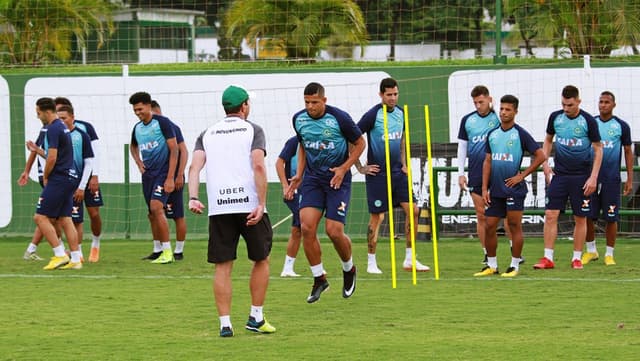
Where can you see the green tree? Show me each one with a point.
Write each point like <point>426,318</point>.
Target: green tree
<point>586,27</point>
<point>39,31</point>
<point>299,27</point>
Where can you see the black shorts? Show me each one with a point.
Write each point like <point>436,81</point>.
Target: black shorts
<point>224,234</point>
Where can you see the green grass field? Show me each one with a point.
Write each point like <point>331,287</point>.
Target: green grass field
<point>126,309</point>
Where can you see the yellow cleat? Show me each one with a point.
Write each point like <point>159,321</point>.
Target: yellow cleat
<point>609,261</point>
<point>487,271</point>
<point>511,272</point>
<point>94,256</point>
<point>71,265</point>
<point>588,257</point>
<point>165,257</point>
<point>56,262</point>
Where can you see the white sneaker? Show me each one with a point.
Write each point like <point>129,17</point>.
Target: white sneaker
<point>289,273</point>
<point>373,268</point>
<point>419,266</point>
<point>31,256</point>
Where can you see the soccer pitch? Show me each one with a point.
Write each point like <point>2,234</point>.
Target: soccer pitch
<point>123,308</point>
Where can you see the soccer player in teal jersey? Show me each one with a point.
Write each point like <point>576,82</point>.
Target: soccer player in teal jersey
<point>471,138</point>
<point>372,123</point>
<point>93,195</point>
<point>330,143</point>
<point>82,163</point>
<point>503,185</point>
<point>578,155</point>
<point>616,137</point>
<point>155,151</point>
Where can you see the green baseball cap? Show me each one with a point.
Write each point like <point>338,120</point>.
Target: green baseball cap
<point>233,96</point>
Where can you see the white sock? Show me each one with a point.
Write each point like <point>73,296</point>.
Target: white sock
<point>348,265</point>
<point>510,243</point>
<point>179,247</point>
<point>371,259</point>
<point>576,255</point>
<point>157,246</point>
<point>95,241</point>
<point>59,251</point>
<point>75,256</point>
<point>289,262</point>
<point>166,246</point>
<point>80,250</point>
<point>609,251</point>
<point>591,246</point>
<point>225,321</point>
<point>317,270</point>
<point>492,262</point>
<point>407,254</point>
<point>548,253</point>
<point>515,263</point>
<point>32,248</point>
<point>484,250</point>
<point>256,313</point>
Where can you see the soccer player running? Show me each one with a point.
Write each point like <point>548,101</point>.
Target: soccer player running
<point>60,181</point>
<point>578,155</point>
<point>93,196</point>
<point>503,185</point>
<point>233,152</point>
<point>286,168</point>
<point>330,143</point>
<point>471,142</point>
<point>155,151</point>
<point>82,163</point>
<point>616,136</point>
<point>175,203</point>
<point>372,123</point>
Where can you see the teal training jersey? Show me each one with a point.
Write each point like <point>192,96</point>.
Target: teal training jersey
<point>573,142</point>
<point>615,134</point>
<point>372,123</point>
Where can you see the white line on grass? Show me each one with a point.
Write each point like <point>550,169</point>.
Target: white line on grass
<point>360,278</point>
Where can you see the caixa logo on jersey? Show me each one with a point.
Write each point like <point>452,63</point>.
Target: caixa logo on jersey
<point>149,145</point>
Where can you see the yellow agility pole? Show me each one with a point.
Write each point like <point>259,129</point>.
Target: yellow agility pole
<point>412,226</point>
<point>432,202</point>
<point>387,158</point>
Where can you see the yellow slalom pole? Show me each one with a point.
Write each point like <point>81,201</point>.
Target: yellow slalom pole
<point>392,243</point>
<point>412,225</point>
<point>432,197</point>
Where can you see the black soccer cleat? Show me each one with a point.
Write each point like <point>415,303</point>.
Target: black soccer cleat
<point>349,285</point>
<point>152,256</point>
<point>178,256</point>
<point>320,284</point>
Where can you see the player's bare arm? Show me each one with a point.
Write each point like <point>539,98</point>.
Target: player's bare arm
<point>260,178</point>
<point>486,174</point>
<point>169,182</point>
<point>546,148</point>
<point>628,161</point>
<point>354,153</point>
<point>296,179</point>
<point>197,163</point>
<point>592,182</point>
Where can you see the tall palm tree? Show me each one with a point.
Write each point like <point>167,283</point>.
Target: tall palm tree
<point>299,27</point>
<point>38,31</point>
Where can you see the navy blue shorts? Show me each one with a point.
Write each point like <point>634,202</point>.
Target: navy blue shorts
<point>153,188</point>
<point>175,204</point>
<point>225,231</point>
<point>56,199</point>
<point>605,202</point>
<point>563,187</point>
<point>500,206</point>
<point>77,212</point>
<point>477,189</point>
<point>294,207</point>
<point>93,199</point>
<point>377,196</point>
<point>318,194</point>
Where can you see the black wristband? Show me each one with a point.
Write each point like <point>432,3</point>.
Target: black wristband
<point>194,199</point>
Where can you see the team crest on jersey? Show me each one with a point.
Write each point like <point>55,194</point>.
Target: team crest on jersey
<point>326,132</point>
<point>578,131</point>
<point>492,124</point>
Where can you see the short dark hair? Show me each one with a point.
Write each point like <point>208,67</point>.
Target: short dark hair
<point>510,99</point>
<point>387,83</point>
<point>45,104</point>
<point>140,97</point>
<point>570,91</point>
<point>65,108</point>
<point>154,104</point>
<point>313,89</point>
<point>606,92</point>
<point>479,90</point>
<point>62,101</point>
